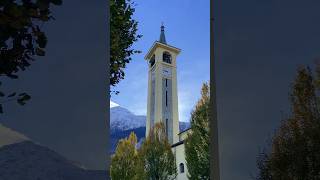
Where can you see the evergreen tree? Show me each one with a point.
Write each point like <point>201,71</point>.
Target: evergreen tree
<point>124,161</point>
<point>156,157</point>
<point>197,142</point>
<point>295,147</point>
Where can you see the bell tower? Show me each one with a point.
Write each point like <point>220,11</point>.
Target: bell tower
<point>162,87</point>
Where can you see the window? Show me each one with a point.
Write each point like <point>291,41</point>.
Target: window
<point>166,98</point>
<point>166,57</point>
<point>152,61</point>
<point>166,82</point>
<point>181,166</point>
<point>167,131</point>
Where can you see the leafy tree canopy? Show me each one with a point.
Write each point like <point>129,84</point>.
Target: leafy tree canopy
<point>295,147</point>
<point>197,142</point>
<point>156,155</point>
<point>21,38</point>
<point>124,161</point>
<point>123,33</point>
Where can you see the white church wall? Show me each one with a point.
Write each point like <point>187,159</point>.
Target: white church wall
<point>180,158</point>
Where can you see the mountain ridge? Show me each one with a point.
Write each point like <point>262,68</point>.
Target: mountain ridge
<point>9,136</point>
<point>21,158</point>
<point>123,119</point>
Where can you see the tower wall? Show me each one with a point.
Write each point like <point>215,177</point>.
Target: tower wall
<point>159,91</point>
<point>163,97</point>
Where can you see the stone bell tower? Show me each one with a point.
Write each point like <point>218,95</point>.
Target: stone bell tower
<point>162,87</point>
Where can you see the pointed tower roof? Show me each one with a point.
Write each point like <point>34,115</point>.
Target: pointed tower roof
<point>162,36</point>
<point>161,43</point>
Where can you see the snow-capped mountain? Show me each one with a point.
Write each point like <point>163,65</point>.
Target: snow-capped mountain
<point>122,119</point>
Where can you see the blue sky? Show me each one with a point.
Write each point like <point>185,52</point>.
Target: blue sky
<point>187,27</point>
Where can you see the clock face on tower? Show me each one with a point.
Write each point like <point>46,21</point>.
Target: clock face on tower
<point>166,72</point>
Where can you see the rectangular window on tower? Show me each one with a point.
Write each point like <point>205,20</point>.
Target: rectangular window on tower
<point>167,127</point>
<point>166,82</point>
<point>166,98</point>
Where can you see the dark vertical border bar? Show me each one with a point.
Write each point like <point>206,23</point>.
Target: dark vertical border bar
<point>214,144</point>
<point>107,120</point>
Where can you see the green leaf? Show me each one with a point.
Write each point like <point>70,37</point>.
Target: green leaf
<point>22,94</point>
<point>43,4</point>
<point>42,40</point>
<point>56,2</point>
<point>12,94</point>
<point>40,52</point>
<point>22,100</point>
<point>26,97</point>
<point>13,76</point>
<point>33,12</point>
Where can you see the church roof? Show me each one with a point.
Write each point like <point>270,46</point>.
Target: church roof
<point>188,129</point>
<point>177,144</point>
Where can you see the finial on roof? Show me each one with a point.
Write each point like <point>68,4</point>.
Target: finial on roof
<point>162,36</point>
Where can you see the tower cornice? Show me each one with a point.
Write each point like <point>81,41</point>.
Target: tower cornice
<point>157,44</point>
